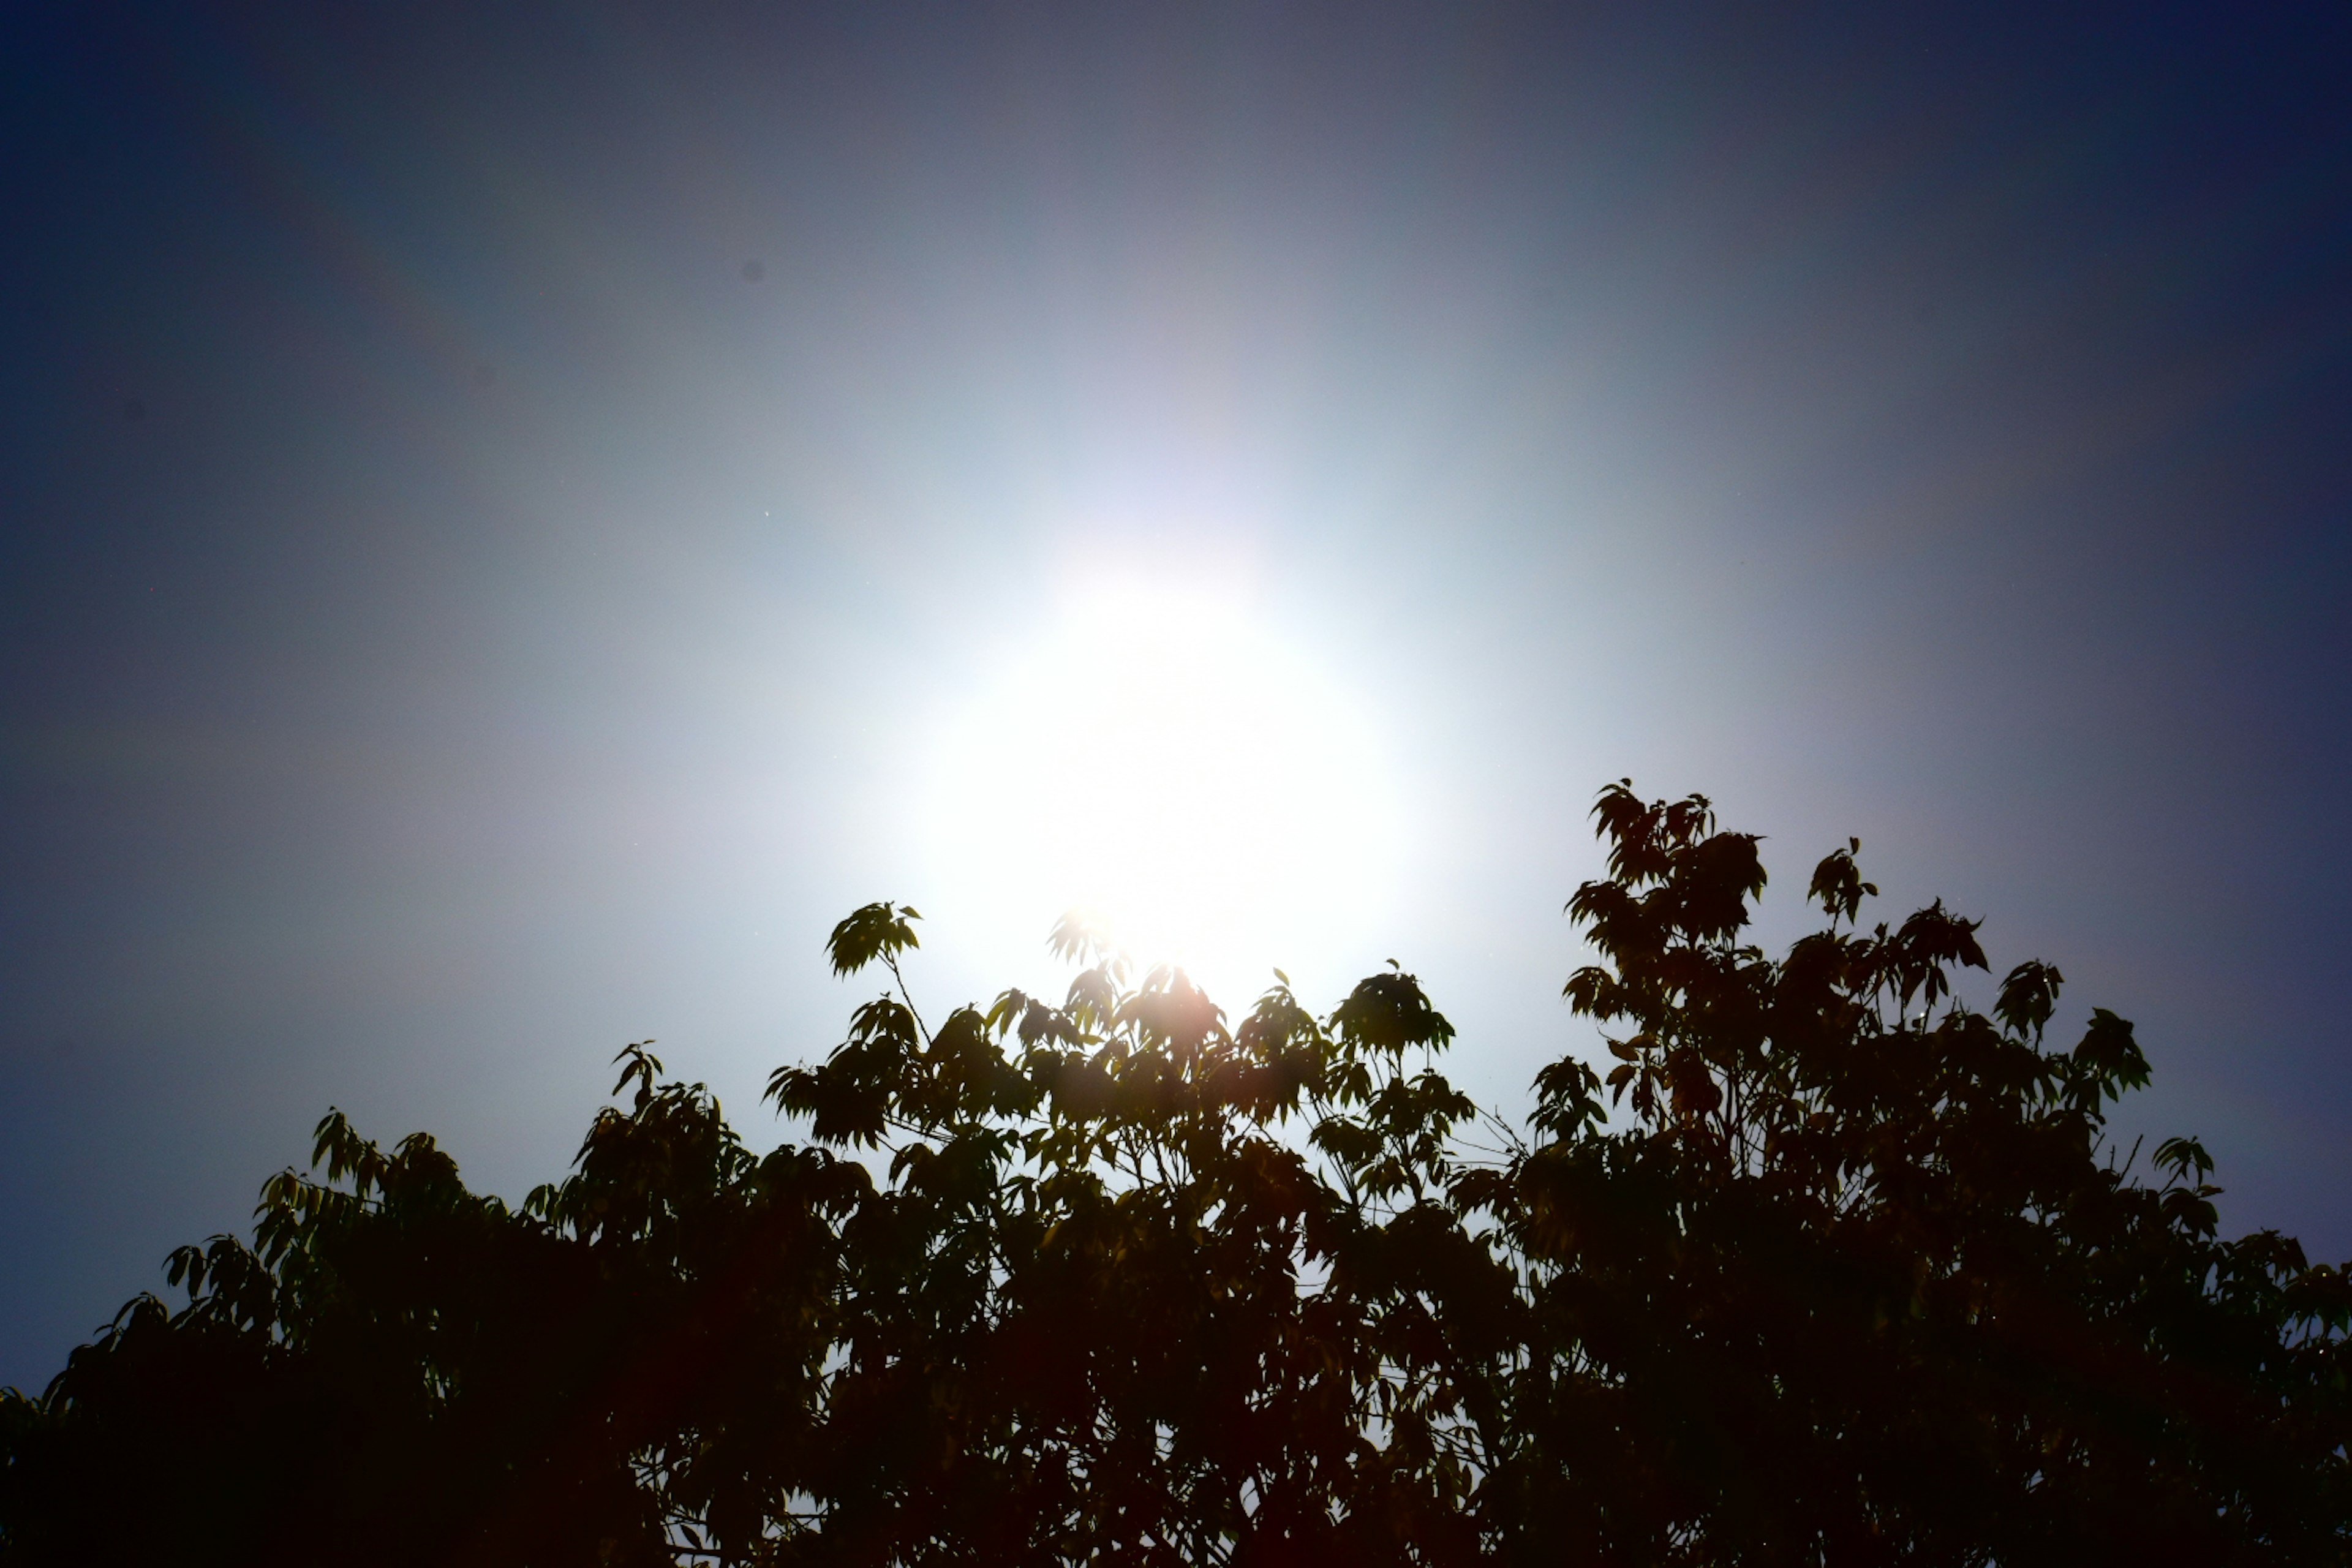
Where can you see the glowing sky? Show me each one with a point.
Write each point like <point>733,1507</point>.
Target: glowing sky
<point>1201,790</point>
<point>514,519</point>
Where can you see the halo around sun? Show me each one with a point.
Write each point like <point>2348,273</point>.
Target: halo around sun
<point>1160,761</point>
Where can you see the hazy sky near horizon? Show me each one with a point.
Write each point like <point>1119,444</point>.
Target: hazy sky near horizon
<point>513,520</point>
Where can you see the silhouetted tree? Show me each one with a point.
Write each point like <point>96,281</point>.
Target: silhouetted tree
<point>1828,1268</point>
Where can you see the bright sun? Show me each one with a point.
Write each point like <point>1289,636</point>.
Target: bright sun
<point>1161,760</point>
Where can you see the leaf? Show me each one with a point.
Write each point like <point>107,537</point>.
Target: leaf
<point>2185,1159</point>
<point>2029,994</point>
<point>1712,881</point>
<point>1837,885</point>
<point>640,1065</point>
<point>1388,1013</point>
<point>2108,1060</point>
<point>876,931</point>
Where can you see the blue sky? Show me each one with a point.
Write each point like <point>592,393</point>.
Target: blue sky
<point>513,521</point>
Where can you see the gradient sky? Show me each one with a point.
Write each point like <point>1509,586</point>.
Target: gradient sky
<point>513,520</point>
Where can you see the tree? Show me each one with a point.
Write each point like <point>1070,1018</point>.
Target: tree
<point>1830,1268</point>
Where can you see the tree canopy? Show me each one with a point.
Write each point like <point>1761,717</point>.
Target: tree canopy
<point>1829,1268</point>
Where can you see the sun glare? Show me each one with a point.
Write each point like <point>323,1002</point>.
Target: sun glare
<point>1162,762</point>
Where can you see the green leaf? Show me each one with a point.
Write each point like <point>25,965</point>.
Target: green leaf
<point>876,931</point>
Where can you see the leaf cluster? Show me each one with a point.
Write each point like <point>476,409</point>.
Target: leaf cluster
<point>1825,1266</point>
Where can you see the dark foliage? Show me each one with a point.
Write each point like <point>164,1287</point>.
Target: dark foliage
<point>1854,1274</point>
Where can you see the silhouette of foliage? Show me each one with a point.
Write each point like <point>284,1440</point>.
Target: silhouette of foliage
<point>1829,1268</point>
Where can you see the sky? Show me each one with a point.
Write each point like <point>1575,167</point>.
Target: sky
<point>513,520</point>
